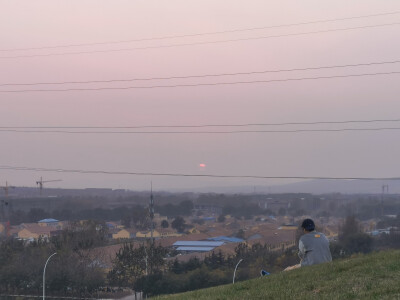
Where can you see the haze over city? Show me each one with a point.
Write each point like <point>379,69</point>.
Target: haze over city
<point>98,24</point>
<point>199,149</point>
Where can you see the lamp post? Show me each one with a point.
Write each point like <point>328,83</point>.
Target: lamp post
<point>234,273</point>
<point>44,273</point>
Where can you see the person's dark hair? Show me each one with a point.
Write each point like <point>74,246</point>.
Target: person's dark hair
<point>308,225</point>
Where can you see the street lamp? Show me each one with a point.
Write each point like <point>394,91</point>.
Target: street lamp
<point>234,273</point>
<point>44,273</point>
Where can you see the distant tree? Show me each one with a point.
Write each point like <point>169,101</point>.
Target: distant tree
<point>357,243</point>
<point>185,207</point>
<point>129,264</point>
<point>126,221</point>
<point>282,211</point>
<point>221,218</point>
<point>179,224</point>
<point>133,262</point>
<point>198,221</point>
<point>139,217</point>
<point>297,212</point>
<point>240,234</point>
<point>36,214</point>
<point>164,224</point>
<point>351,239</point>
<point>350,226</point>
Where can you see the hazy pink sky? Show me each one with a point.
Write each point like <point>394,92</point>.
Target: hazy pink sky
<point>26,24</point>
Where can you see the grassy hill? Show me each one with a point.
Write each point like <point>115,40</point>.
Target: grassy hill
<point>372,276</point>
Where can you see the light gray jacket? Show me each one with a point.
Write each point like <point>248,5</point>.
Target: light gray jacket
<point>314,249</point>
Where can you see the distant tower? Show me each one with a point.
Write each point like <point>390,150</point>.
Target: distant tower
<point>151,211</point>
<point>384,187</point>
<point>6,203</point>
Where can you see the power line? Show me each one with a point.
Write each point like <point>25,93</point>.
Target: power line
<point>200,132</point>
<point>202,125</point>
<point>188,175</point>
<point>202,84</point>
<point>204,75</point>
<point>200,43</point>
<point>200,34</point>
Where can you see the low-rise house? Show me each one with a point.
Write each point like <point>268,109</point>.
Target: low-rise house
<point>34,232</point>
<point>147,234</point>
<point>166,232</point>
<point>289,227</point>
<point>193,230</point>
<point>158,218</point>
<point>126,233</point>
<point>114,225</point>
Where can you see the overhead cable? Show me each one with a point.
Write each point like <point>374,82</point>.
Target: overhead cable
<point>201,84</point>
<point>14,168</point>
<point>200,43</point>
<point>202,125</point>
<point>200,34</point>
<point>204,75</point>
<point>200,132</point>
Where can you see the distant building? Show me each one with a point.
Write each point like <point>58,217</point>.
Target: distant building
<point>147,234</point>
<point>166,232</point>
<point>274,205</point>
<point>158,218</point>
<point>48,222</point>
<point>226,239</point>
<point>124,234</point>
<point>114,225</point>
<point>35,231</point>
<point>207,209</point>
<point>196,246</point>
<point>288,227</point>
<point>193,230</point>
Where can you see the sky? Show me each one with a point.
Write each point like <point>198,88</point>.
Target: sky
<point>42,23</point>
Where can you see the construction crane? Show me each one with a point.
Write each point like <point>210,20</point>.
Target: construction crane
<point>41,182</point>
<point>6,188</point>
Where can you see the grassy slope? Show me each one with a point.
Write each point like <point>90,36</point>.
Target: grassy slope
<point>373,276</point>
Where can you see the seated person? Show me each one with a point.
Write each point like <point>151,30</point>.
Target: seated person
<point>313,247</point>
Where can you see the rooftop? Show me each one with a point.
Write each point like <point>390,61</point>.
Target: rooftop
<point>223,238</point>
<point>195,249</point>
<point>48,221</point>
<point>198,243</point>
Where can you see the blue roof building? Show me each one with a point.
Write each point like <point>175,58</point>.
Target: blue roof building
<point>198,243</point>
<point>48,221</point>
<point>226,239</point>
<point>195,249</point>
<point>197,246</point>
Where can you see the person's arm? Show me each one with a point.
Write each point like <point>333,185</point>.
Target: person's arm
<point>292,267</point>
<point>302,250</point>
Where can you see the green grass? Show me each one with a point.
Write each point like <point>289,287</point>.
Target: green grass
<point>372,276</point>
